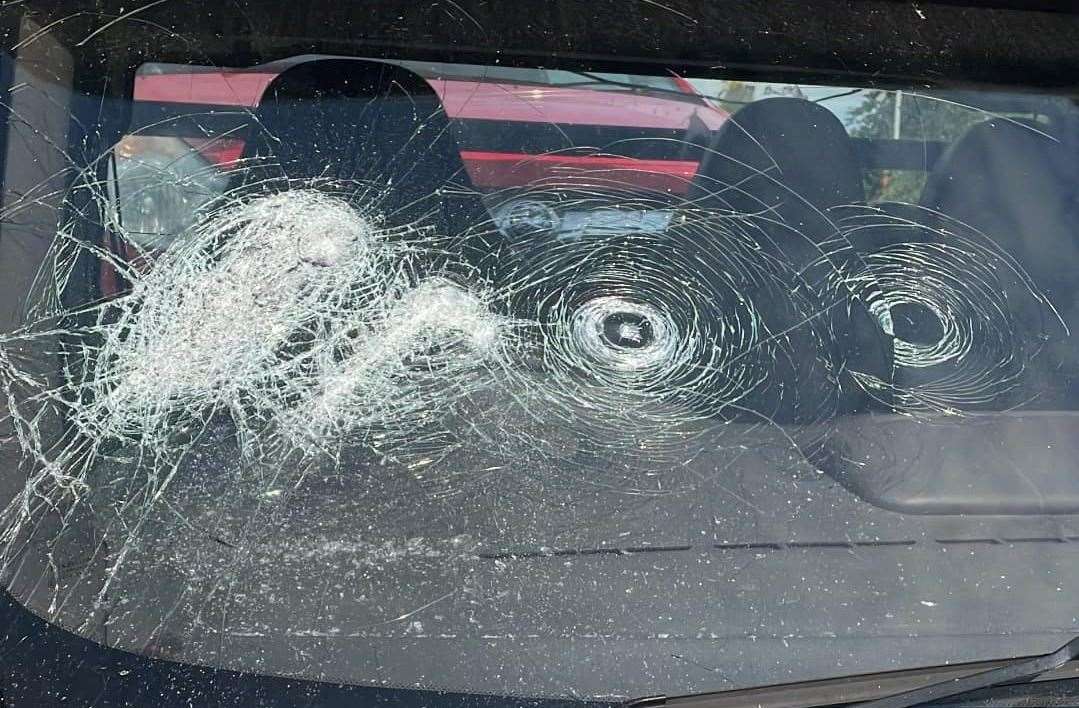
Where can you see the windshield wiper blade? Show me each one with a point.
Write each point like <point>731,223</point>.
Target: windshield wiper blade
<point>1013,672</point>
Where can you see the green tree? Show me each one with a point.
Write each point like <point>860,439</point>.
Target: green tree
<point>921,118</point>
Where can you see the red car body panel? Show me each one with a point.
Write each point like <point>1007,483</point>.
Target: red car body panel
<point>502,170</point>
<point>217,88</point>
<point>578,106</point>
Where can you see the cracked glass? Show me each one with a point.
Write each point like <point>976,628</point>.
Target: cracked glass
<point>534,382</point>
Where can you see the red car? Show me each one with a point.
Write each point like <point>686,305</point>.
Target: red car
<point>587,111</point>
<point>515,127</point>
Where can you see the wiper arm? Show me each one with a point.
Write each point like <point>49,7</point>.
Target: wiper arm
<point>1013,672</point>
<point>854,690</point>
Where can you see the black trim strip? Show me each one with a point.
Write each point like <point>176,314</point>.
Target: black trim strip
<point>867,43</point>
<point>532,553</point>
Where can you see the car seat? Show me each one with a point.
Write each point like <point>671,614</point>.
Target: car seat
<point>1015,182</point>
<point>1004,193</point>
<point>374,131</point>
<point>786,158</point>
<point>779,164</point>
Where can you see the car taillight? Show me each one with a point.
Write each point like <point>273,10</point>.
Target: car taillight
<point>161,185</point>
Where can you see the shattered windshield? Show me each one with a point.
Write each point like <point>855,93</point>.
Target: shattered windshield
<point>529,380</point>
